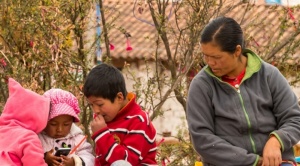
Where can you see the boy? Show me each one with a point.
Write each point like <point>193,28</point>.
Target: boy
<point>25,114</point>
<point>121,129</point>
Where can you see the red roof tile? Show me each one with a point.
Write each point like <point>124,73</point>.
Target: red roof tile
<point>261,23</point>
<point>136,20</point>
<point>266,26</point>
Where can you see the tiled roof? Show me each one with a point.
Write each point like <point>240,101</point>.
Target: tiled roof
<point>136,20</point>
<point>266,25</point>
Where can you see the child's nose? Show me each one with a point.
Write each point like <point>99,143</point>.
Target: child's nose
<point>59,128</point>
<point>96,110</point>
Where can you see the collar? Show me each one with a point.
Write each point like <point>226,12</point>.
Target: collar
<point>235,82</point>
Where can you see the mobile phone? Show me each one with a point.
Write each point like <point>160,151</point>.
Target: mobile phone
<point>62,151</point>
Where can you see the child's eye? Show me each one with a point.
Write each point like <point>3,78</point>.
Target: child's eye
<point>53,124</point>
<point>67,124</point>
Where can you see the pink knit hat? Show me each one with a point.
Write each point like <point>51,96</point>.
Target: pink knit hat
<point>62,103</point>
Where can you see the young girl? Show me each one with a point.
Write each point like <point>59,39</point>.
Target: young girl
<point>61,132</point>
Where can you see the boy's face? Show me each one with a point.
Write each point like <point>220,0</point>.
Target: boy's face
<point>59,126</point>
<point>105,107</point>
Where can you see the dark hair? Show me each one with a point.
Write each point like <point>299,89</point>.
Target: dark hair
<point>104,81</point>
<point>225,32</point>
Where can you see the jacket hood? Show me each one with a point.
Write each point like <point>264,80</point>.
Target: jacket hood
<point>25,108</point>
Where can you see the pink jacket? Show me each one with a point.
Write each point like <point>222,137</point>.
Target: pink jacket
<point>25,114</point>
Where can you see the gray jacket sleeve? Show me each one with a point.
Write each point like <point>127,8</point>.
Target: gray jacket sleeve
<point>286,110</point>
<point>200,117</point>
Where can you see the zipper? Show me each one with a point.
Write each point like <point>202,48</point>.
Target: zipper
<point>248,120</point>
<point>237,89</point>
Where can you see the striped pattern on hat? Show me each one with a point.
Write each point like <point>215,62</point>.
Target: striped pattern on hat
<point>62,103</point>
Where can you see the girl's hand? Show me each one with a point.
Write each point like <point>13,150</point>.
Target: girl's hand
<point>66,161</point>
<point>52,160</point>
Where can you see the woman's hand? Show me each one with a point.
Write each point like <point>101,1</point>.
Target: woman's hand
<point>272,152</point>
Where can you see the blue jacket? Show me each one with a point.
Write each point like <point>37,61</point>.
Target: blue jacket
<point>230,126</point>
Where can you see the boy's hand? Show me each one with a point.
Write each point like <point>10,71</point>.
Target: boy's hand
<point>52,160</point>
<point>98,123</point>
<point>66,161</point>
<point>272,152</point>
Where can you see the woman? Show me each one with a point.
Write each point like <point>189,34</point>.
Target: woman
<point>241,110</point>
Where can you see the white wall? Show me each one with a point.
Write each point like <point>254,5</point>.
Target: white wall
<point>290,2</point>
<point>174,116</point>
